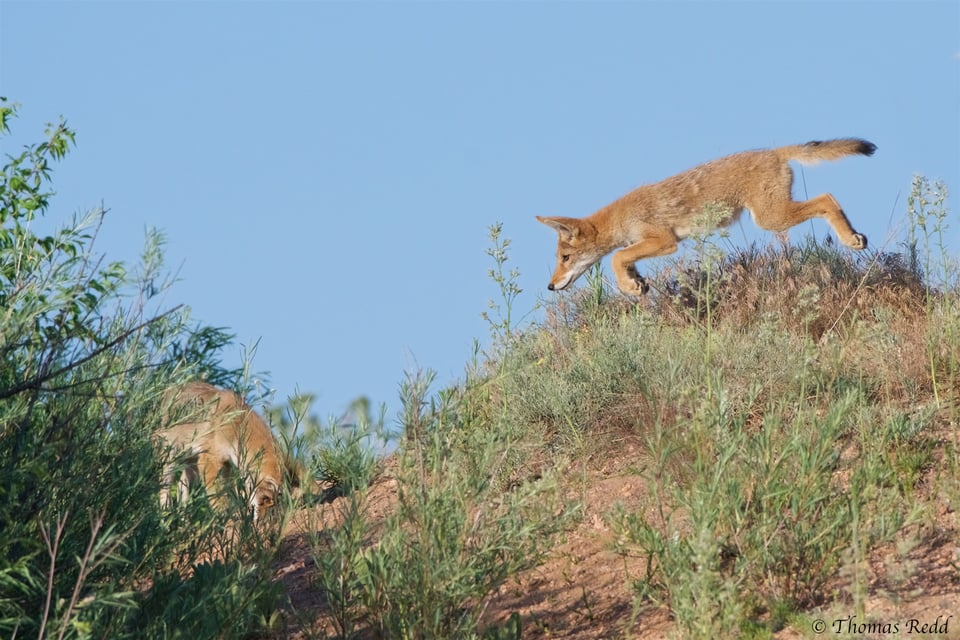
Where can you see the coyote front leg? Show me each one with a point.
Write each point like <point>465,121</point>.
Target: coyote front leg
<point>657,242</point>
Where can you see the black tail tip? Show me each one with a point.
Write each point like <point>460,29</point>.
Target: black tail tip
<point>866,148</point>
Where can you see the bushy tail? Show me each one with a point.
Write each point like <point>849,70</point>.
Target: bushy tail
<point>818,150</point>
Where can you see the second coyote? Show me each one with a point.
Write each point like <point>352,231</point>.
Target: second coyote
<point>652,219</point>
<point>216,431</point>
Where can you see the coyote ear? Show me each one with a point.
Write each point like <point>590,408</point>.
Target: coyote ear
<point>566,227</point>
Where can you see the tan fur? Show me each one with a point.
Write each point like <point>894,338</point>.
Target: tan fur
<point>221,432</point>
<point>652,219</point>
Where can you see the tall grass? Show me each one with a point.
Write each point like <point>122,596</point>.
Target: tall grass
<point>453,537</point>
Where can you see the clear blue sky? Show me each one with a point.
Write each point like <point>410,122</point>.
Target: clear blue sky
<point>326,172</point>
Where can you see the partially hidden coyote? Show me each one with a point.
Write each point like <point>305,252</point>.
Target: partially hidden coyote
<point>652,219</point>
<point>214,431</point>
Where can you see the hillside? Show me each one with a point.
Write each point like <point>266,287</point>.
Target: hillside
<point>765,444</point>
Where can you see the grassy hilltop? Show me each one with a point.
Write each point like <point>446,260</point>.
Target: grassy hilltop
<point>767,441</point>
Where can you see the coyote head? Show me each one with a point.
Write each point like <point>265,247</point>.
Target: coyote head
<point>263,497</point>
<point>577,249</point>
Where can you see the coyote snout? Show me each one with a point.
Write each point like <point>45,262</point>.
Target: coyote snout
<point>651,220</point>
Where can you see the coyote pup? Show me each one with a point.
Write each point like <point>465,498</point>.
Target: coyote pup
<point>652,219</point>
<point>222,433</point>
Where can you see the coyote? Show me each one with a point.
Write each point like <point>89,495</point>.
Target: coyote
<point>221,433</point>
<point>652,219</point>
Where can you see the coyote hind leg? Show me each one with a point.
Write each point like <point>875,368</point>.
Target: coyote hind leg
<point>823,206</point>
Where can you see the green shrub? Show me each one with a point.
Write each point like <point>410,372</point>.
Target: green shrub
<point>84,359</point>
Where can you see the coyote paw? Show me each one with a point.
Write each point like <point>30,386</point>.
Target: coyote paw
<point>858,242</point>
<point>634,284</point>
